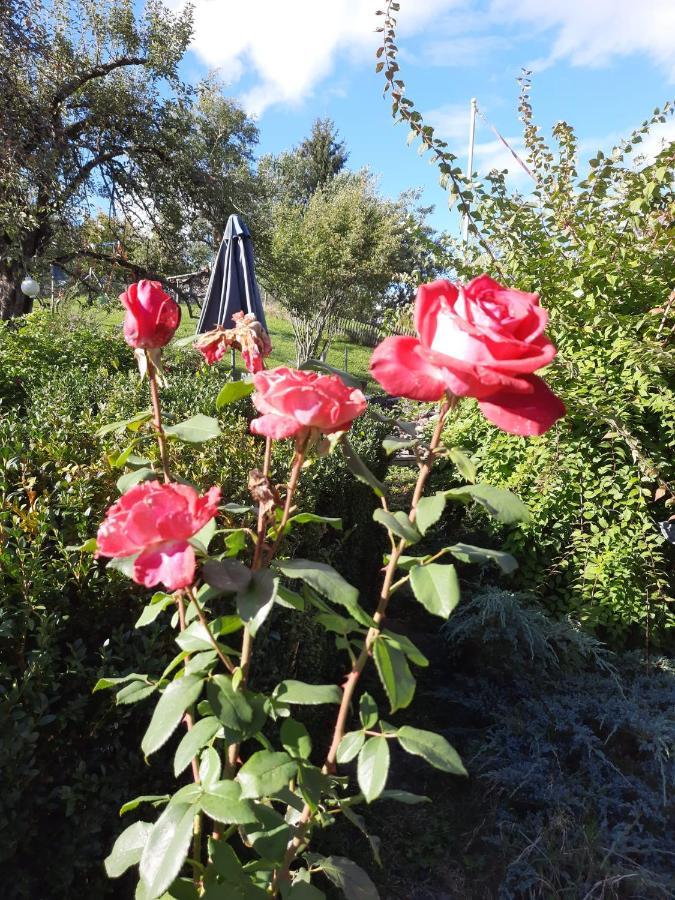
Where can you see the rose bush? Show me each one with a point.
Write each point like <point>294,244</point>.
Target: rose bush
<point>151,317</point>
<point>295,402</point>
<point>253,798</point>
<point>482,340</point>
<point>155,521</point>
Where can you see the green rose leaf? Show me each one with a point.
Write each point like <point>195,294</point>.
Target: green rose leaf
<point>265,773</point>
<point>350,746</point>
<point>470,554</point>
<point>192,742</point>
<point>429,511</point>
<point>360,470</point>
<point>373,767</point>
<point>500,503</point>
<point>255,601</point>
<point>391,445</point>
<point>132,693</point>
<point>127,849</point>
<point>227,575</point>
<point>210,767</point>
<point>154,608</point>
<point>465,465</point>
<point>222,801</point>
<point>403,643</point>
<point>398,523</point>
<point>327,582</point>
<point>305,518</point>
<point>436,587</point>
<point>394,673</point>
<point>233,391</point>
<point>404,797</point>
<point>155,799</point>
<point>195,430</point>
<point>166,848</point>
<point>169,711</point>
<point>299,692</point>
<point>271,840</point>
<point>350,878</point>
<point>295,739</point>
<point>431,747</point>
<point>240,711</point>
<point>129,479</point>
<point>368,712</point>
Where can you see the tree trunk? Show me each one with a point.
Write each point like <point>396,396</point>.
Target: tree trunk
<point>12,301</point>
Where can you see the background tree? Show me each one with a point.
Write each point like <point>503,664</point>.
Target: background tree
<point>294,176</point>
<point>95,117</point>
<point>334,256</point>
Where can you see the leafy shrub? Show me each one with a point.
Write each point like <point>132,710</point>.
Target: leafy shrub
<point>597,246</point>
<point>68,756</point>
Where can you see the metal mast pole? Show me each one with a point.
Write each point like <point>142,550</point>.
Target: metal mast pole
<point>469,164</point>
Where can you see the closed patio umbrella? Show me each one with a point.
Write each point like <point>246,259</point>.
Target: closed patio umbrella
<point>232,286</point>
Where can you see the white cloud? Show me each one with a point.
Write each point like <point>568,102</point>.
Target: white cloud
<point>451,121</point>
<point>291,45</point>
<point>592,32</point>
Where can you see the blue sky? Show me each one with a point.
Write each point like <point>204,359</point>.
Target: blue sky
<point>602,65</point>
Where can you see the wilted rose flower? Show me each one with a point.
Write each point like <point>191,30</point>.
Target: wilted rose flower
<point>155,520</point>
<point>484,341</point>
<point>151,317</point>
<point>247,335</point>
<point>294,402</point>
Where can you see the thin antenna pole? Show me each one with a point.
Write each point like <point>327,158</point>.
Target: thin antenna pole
<point>469,164</point>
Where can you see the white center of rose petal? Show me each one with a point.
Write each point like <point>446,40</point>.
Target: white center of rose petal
<point>449,339</point>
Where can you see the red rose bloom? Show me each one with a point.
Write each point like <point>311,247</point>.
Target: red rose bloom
<point>155,520</point>
<point>293,402</point>
<point>151,317</point>
<point>481,341</point>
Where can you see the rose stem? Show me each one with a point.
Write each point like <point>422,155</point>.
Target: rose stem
<point>226,661</point>
<point>189,723</point>
<point>353,677</point>
<point>157,419</point>
<point>247,643</point>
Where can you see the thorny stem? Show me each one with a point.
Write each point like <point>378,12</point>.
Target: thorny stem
<point>349,686</point>
<point>189,724</point>
<point>157,419</point>
<point>226,661</point>
<point>296,469</point>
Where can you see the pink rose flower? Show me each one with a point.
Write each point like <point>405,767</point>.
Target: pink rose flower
<point>293,402</point>
<point>155,520</point>
<point>151,317</point>
<point>484,341</point>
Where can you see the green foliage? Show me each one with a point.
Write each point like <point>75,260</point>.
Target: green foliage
<point>597,247</point>
<point>95,112</point>
<point>66,622</point>
<point>331,256</point>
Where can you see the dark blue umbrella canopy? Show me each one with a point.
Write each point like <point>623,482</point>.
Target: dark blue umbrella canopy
<point>232,286</point>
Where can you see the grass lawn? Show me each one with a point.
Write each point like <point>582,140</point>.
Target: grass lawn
<point>283,345</point>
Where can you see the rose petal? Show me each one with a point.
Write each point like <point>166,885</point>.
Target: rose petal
<point>524,414</point>
<point>402,368</point>
<point>276,427</point>
<point>172,563</point>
